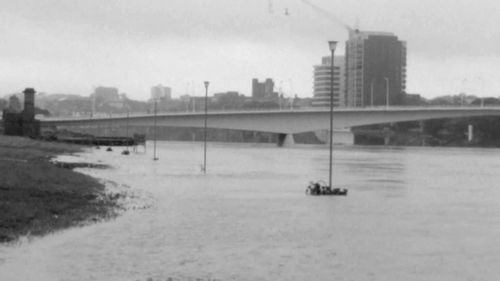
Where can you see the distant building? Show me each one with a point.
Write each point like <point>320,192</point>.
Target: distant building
<point>198,103</point>
<point>322,82</point>
<point>161,93</point>
<point>414,100</point>
<point>230,95</point>
<point>302,102</point>
<point>229,100</point>
<point>264,91</point>
<point>375,66</point>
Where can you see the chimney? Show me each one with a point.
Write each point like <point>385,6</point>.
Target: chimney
<point>29,104</point>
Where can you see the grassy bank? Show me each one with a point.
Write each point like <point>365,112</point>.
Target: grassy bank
<point>38,197</point>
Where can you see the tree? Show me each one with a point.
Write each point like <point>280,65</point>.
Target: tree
<point>486,101</point>
<point>3,104</point>
<point>14,104</point>
<point>43,112</point>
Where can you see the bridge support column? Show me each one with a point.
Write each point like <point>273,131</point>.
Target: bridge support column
<point>470,133</point>
<point>387,140</point>
<point>285,140</point>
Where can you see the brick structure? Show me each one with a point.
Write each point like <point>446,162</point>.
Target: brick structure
<point>22,123</point>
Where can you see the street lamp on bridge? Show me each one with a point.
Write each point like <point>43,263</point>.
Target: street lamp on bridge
<point>386,92</point>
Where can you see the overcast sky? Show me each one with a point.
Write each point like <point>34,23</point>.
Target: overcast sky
<point>70,46</point>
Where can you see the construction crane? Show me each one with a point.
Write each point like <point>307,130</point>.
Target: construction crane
<point>327,15</point>
<point>270,6</point>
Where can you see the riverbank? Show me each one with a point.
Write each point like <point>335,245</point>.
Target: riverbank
<point>38,197</point>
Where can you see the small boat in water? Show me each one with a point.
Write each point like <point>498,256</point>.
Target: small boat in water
<point>320,188</point>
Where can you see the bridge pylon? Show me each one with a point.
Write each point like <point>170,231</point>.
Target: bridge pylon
<point>285,140</point>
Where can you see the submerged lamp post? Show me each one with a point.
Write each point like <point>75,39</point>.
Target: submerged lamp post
<point>154,131</point>
<point>332,45</point>
<point>205,130</point>
<point>126,151</point>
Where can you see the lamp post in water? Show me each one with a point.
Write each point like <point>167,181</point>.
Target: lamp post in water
<point>332,45</point>
<point>127,139</point>
<point>205,130</point>
<point>154,131</point>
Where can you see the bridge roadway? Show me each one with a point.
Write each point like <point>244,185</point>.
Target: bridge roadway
<point>280,121</point>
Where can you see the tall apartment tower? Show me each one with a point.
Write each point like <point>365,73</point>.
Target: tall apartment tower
<point>375,69</point>
<point>322,82</point>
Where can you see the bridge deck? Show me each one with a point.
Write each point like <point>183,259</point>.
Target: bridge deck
<point>281,121</point>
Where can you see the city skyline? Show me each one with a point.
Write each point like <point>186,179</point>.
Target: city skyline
<point>61,47</point>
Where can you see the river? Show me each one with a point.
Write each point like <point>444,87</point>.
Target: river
<point>411,214</point>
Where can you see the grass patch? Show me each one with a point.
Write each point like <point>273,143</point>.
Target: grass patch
<point>38,197</point>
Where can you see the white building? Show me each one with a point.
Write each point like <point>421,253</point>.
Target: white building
<point>322,82</point>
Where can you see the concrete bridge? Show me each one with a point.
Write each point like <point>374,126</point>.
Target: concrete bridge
<point>283,122</point>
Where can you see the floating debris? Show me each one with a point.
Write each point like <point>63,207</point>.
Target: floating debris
<point>74,165</point>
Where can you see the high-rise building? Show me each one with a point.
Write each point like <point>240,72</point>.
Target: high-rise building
<point>323,81</point>
<point>263,91</point>
<point>375,69</point>
<point>161,92</point>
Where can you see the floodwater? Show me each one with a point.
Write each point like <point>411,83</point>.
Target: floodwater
<point>411,214</point>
